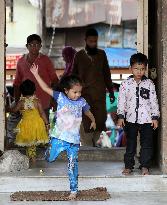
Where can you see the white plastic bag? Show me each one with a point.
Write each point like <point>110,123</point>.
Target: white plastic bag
<point>105,140</point>
<point>109,122</point>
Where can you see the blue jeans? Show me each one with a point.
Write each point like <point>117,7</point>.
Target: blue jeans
<point>56,147</point>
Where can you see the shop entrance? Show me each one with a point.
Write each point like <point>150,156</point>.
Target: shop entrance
<point>55,36</point>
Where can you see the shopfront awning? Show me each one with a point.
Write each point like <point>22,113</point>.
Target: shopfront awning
<point>75,13</point>
<point>119,57</point>
<point>129,10</point>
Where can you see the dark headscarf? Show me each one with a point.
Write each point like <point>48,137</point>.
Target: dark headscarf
<point>68,53</point>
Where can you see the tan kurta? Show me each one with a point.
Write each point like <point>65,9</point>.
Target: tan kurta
<point>95,73</point>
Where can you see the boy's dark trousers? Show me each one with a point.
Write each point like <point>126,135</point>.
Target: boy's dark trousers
<point>146,142</point>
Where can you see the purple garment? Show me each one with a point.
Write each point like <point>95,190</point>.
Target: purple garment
<point>68,54</point>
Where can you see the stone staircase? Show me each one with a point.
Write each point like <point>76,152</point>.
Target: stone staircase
<point>93,154</point>
<point>91,174</point>
<point>97,168</point>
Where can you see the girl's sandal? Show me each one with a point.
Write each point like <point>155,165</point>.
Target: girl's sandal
<point>127,172</point>
<point>144,171</point>
<point>72,196</point>
<point>33,160</point>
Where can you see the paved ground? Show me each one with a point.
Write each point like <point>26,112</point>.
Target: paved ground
<point>100,173</point>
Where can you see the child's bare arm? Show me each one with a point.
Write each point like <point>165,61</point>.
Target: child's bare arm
<point>16,108</point>
<point>154,124</point>
<point>43,85</point>
<point>91,117</point>
<point>42,113</point>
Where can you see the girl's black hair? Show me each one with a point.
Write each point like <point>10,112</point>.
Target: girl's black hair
<point>27,88</point>
<point>67,82</point>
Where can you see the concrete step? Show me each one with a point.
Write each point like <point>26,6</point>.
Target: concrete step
<point>93,154</point>
<point>154,183</point>
<point>91,175</point>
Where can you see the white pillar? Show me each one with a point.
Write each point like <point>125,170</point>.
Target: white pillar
<point>142,37</point>
<point>2,73</point>
<point>142,26</point>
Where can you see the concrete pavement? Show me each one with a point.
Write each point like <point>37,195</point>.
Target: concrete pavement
<point>134,189</point>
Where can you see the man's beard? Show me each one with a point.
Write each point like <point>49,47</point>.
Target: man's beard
<point>91,51</point>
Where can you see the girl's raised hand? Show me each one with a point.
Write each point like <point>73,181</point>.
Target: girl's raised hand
<point>34,69</point>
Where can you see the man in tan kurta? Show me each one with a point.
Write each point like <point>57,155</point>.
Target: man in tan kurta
<point>91,65</point>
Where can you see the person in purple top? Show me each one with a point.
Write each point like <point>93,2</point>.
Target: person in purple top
<point>68,54</point>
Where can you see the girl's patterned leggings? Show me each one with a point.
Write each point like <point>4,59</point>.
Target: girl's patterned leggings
<point>56,147</point>
<point>31,152</point>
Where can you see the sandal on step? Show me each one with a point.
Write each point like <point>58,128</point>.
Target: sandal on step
<point>145,171</point>
<point>127,171</point>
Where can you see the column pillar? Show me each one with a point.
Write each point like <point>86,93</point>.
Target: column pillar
<point>2,73</point>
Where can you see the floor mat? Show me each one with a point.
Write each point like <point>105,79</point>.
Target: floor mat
<point>96,194</point>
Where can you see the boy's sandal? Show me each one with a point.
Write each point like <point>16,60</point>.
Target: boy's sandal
<point>145,171</point>
<point>127,171</point>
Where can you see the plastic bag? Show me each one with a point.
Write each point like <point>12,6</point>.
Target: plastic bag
<point>105,140</point>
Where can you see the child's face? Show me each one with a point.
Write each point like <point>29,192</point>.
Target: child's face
<point>138,70</point>
<point>34,47</point>
<point>75,92</point>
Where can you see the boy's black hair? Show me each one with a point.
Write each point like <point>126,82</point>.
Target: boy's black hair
<point>139,58</point>
<point>91,32</point>
<point>27,88</point>
<point>67,82</point>
<point>34,37</point>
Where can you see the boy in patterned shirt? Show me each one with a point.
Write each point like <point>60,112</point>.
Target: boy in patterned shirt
<point>138,105</point>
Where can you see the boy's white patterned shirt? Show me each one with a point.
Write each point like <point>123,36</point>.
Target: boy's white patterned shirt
<point>137,102</point>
